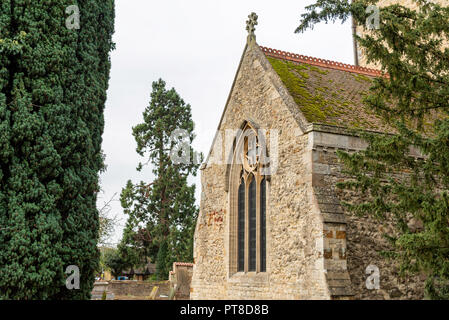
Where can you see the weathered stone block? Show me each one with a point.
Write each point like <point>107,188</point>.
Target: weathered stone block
<point>340,235</point>
<point>328,233</point>
<point>327,253</point>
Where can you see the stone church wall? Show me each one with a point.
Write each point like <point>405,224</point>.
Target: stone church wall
<point>295,268</point>
<point>353,243</point>
<point>315,250</point>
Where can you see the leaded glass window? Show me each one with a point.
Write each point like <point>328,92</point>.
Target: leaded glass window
<point>252,224</point>
<point>250,208</point>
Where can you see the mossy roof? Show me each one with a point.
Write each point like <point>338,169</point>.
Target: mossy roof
<point>329,96</point>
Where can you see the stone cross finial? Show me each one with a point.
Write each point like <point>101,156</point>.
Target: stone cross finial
<point>251,24</point>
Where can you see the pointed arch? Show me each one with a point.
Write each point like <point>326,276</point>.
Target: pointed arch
<point>247,192</point>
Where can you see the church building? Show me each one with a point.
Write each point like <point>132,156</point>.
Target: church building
<point>271,224</point>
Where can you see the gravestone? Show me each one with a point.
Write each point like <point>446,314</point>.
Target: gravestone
<point>154,292</point>
<point>171,295</point>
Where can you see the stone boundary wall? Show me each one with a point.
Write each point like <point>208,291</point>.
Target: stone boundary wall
<point>99,288</point>
<point>132,288</point>
<point>137,288</point>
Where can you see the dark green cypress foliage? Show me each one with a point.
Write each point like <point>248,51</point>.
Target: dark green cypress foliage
<point>162,214</point>
<point>408,45</point>
<point>53,83</point>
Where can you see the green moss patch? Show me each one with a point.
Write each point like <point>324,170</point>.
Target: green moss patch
<point>318,102</point>
<point>361,78</point>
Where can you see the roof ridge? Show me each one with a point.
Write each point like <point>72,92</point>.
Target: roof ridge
<point>183,264</point>
<point>320,62</point>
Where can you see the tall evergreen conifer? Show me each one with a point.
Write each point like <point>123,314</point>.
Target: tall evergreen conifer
<point>53,82</point>
<point>162,214</point>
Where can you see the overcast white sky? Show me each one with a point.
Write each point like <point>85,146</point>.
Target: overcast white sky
<point>195,46</point>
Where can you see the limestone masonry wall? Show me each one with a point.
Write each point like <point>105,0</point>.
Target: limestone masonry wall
<point>353,243</point>
<point>294,229</point>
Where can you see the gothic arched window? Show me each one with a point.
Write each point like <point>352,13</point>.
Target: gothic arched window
<point>248,205</point>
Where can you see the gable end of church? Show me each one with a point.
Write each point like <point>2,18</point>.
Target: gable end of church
<point>282,233</point>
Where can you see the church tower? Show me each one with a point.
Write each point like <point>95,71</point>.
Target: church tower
<point>359,57</point>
